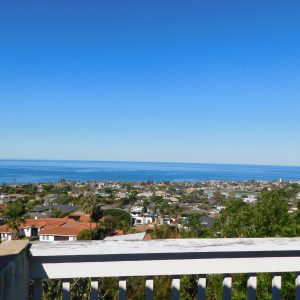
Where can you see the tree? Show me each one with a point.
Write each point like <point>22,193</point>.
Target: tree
<point>271,214</point>
<point>96,212</point>
<point>117,219</point>
<point>64,199</point>
<point>195,228</point>
<point>236,220</point>
<point>91,206</point>
<point>267,217</point>
<point>98,233</point>
<point>297,215</point>
<point>14,224</point>
<point>219,197</point>
<point>130,200</point>
<point>15,210</point>
<point>164,232</point>
<point>85,235</point>
<point>119,215</point>
<point>56,213</point>
<point>175,210</point>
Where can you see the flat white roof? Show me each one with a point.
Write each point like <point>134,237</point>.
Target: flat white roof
<point>111,247</point>
<point>127,237</point>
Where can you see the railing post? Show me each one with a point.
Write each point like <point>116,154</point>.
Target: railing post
<point>37,289</point>
<point>297,283</point>
<point>175,290</point>
<point>94,289</point>
<point>122,288</point>
<point>276,287</point>
<point>227,283</point>
<point>201,287</point>
<point>149,288</point>
<point>66,288</point>
<point>252,286</point>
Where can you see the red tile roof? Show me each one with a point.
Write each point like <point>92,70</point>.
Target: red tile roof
<point>82,217</point>
<point>53,226</point>
<point>44,223</point>
<point>68,229</point>
<point>5,229</point>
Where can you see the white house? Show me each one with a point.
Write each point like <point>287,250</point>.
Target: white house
<point>136,211</point>
<point>5,233</point>
<point>49,229</point>
<point>65,232</point>
<point>249,199</point>
<point>143,220</point>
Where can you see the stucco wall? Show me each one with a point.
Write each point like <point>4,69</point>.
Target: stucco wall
<point>14,270</point>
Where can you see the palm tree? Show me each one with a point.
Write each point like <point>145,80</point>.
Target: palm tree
<point>91,206</point>
<point>14,224</point>
<point>176,210</point>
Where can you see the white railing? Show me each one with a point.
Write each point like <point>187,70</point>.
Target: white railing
<point>122,259</point>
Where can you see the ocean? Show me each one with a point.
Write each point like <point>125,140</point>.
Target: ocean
<point>40,171</point>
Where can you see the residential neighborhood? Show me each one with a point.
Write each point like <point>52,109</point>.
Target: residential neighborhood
<point>62,211</point>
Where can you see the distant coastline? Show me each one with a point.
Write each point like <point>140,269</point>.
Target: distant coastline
<point>35,171</point>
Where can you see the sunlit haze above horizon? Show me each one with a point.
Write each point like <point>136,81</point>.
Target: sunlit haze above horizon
<point>180,81</point>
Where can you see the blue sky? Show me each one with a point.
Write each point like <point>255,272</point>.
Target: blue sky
<point>189,81</point>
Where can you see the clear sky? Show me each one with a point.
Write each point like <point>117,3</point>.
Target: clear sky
<point>189,81</point>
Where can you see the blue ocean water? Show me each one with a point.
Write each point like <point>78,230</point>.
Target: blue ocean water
<point>25,171</point>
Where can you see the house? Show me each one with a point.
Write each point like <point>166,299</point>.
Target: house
<point>173,200</point>
<point>136,211</point>
<point>141,218</point>
<point>51,197</point>
<point>207,221</point>
<point>163,194</point>
<point>121,195</point>
<point>31,227</point>
<point>49,227</point>
<point>4,200</point>
<point>48,209</point>
<point>65,232</point>
<point>145,194</point>
<point>144,219</point>
<point>165,220</point>
<point>5,233</point>
<point>249,199</point>
<point>40,215</point>
<point>209,194</point>
<point>218,208</point>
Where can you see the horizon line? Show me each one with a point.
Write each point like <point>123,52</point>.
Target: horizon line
<point>154,162</point>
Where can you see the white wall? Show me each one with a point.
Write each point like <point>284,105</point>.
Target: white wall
<point>46,238</point>
<point>143,220</point>
<point>5,236</point>
<point>26,232</point>
<point>50,238</point>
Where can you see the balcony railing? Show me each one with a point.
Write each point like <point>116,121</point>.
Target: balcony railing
<point>123,259</point>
